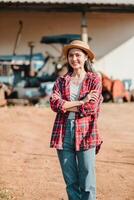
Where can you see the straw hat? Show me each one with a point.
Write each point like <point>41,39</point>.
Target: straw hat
<point>78,44</point>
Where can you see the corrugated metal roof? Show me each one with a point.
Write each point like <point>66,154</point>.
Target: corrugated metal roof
<point>104,2</point>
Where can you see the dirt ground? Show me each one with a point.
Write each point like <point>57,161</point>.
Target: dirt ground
<point>29,169</point>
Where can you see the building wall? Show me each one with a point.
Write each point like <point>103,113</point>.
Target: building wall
<point>35,25</point>
<point>112,36</point>
<point>114,44</point>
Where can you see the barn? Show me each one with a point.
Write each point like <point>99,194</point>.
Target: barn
<point>109,25</point>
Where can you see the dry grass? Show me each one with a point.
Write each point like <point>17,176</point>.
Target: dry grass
<point>5,194</point>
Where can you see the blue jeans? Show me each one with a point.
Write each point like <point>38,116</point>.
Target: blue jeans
<point>78,167</point>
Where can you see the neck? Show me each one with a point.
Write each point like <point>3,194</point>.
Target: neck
<point>79,73</point>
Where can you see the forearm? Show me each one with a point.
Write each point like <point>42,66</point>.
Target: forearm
<point>71,104</point>
<point>73,109</point>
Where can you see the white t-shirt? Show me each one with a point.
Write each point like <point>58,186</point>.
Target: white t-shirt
<point>74,94</point>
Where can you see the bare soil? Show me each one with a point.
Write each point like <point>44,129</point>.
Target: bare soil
<point>29,169</point>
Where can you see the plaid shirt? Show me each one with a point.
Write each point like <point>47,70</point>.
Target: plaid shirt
<point>86,131</point>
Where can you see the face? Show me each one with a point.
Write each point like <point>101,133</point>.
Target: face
<point>76,58</point>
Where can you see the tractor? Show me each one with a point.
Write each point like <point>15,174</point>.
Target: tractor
<point>114,90</point>
<point>32,76</point>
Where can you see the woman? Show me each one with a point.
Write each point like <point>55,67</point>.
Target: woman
<point>76,98</point>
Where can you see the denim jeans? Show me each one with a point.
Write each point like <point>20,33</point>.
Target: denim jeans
<point>78,167</point>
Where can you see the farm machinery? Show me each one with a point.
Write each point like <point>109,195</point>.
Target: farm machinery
<point>114,90</point>
<point>31,77</point>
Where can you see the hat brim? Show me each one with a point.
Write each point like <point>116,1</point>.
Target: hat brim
<point>90,54</point>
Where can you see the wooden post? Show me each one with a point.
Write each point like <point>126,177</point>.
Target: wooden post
<point>84,29</point>
<point>31,45</point>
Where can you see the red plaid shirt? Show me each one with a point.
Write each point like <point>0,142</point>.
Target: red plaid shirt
<point>86,131</point>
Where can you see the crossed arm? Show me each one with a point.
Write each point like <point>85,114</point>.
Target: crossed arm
<point>72,106</point>
<point>86,106</point>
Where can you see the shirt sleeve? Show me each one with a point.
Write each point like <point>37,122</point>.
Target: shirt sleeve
<point>92,107</point>
<point>56,101</point>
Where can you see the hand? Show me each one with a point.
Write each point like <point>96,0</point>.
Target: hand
<point>93,95</point>
<point>81,102</point>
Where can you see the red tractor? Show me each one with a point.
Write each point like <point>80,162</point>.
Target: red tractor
<point>114,90</point>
